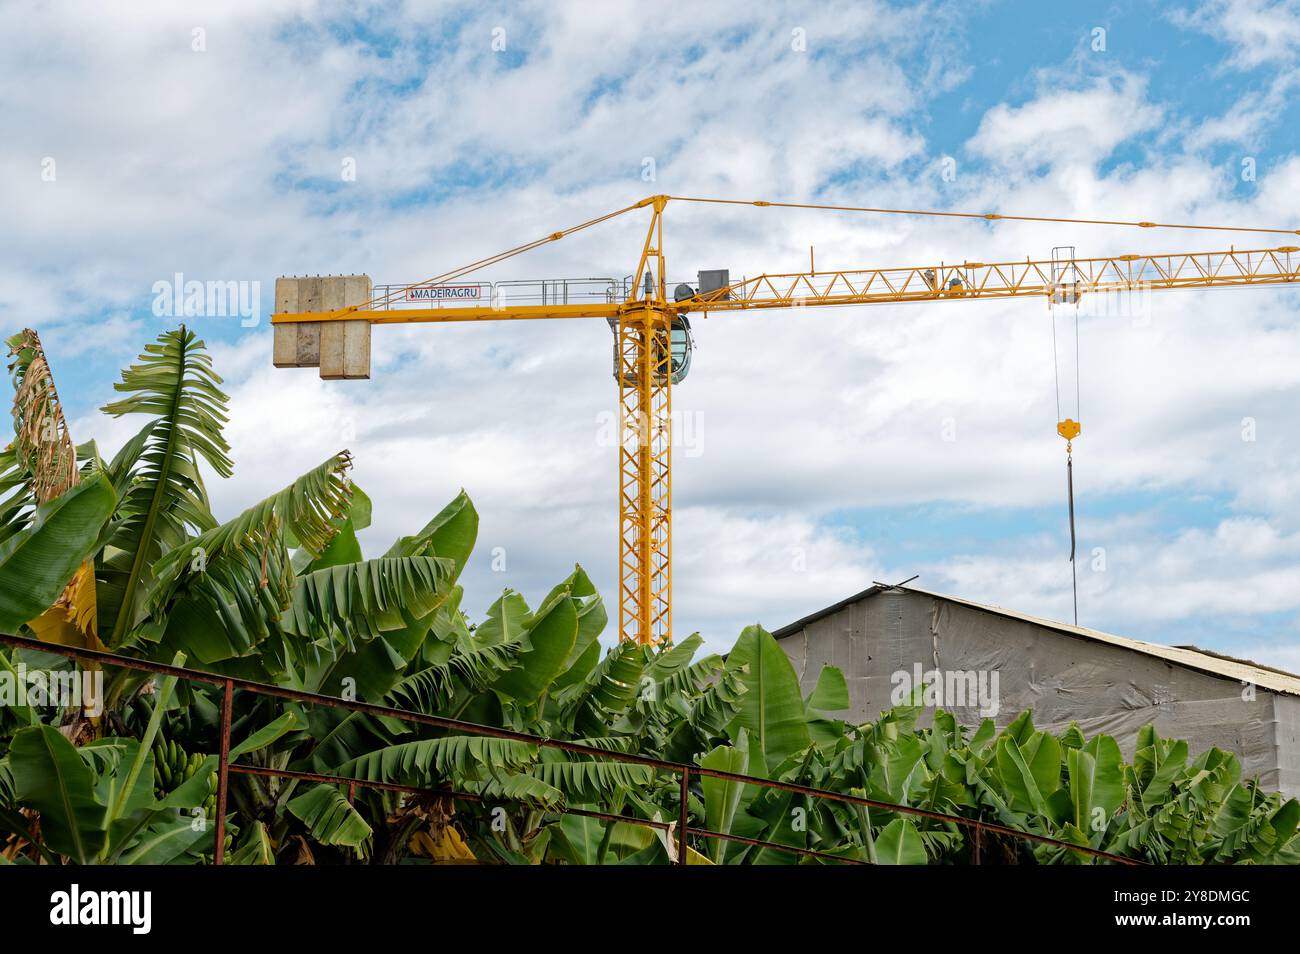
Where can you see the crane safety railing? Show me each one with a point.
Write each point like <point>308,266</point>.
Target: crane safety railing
<point>679,831</point>
<point>508,294</point>
<point>503,294</point>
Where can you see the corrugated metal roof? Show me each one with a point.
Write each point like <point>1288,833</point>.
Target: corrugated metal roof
<point>1239,670</point>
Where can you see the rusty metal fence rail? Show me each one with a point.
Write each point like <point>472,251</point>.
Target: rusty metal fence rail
<point>680,828</point>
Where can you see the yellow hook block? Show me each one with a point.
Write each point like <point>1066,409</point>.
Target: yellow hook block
<point>1068,428</point>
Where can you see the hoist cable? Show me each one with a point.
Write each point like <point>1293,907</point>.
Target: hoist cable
<point>1056,369</point>
<point>1078,394</point>
<point>1074,566</point>
<point>1069,442</point>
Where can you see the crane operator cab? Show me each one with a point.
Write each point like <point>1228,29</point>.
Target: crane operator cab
<point>680,342</point>
<point>681,345</point>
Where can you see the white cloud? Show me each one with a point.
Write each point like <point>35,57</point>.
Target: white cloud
<point>1259,32</point>
<point>1261,35</point>
<point>1067,126</point>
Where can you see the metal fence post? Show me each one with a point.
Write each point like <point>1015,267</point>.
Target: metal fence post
<point>681,818</point>
<point>223,772</point>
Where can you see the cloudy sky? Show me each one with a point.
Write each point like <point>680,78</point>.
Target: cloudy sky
<point>821,450</point>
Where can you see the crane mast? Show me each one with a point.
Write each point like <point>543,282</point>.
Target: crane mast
<point>645,478</point>
<point>645,320</point>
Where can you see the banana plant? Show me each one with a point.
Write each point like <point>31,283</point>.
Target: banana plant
<point>43,523</point>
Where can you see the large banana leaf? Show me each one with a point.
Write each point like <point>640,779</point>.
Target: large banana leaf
<point>330,818</point>
<point>37,562</point>
<point>431,689</point>
<point>429,761</point>
<point>506,621</point>
<point>366,599</point>
<point>893,774</point>
<point>676,676</point>
<point>709,716</point>
<point>284,724</point>
<point>525,789</point>
<point>831,693</point>
<point>344,547</point>
<point>227,612</point>
<point>591,619</point>
<point>721,796</point>
<point>608,690</point>
<point>306,510</point>
<point>772,710</point>
<point>900,844</point>
<point>256,847</point>
<point>366,624</point>
<point>1096,784</point>
<point>50,776</point>
<point>592,781</point>
<point>1030,772</point>
<point>1157,763</point>
<point>550,636</point>
<point>220,593</point>
<point>169,841</point>
<point>450,535</point>
<point>589,841</point>
<point>165,498</point>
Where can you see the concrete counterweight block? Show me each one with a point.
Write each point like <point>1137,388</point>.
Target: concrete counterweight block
<point>344,350</point>
<point>341,347</point>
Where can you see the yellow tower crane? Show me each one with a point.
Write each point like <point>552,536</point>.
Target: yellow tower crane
<point>652,339</point>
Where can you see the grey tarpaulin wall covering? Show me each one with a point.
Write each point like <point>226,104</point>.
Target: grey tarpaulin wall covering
<point>1063,673</point>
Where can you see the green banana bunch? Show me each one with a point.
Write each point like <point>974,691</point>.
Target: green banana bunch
<point>210,805</point>
<point>172,767</point>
